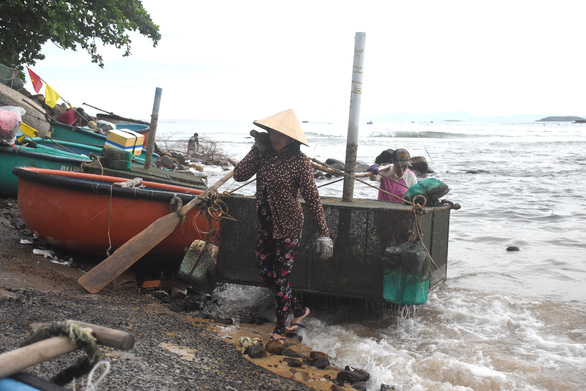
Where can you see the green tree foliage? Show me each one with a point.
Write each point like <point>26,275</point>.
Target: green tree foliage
<point>25,25</point>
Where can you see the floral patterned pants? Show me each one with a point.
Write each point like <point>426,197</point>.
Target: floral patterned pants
<point>275,258</point>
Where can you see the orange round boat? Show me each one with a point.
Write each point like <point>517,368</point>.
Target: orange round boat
<point>87,213</point>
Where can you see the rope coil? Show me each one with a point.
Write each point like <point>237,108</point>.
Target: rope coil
<point>81,337</point>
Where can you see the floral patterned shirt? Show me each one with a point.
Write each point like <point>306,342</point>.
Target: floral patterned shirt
<point>280,177</point>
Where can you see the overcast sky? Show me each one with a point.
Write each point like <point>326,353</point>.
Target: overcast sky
<point>249,59</point>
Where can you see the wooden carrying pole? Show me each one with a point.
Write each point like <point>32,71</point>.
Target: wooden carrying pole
<point>355,100</point>
<point>126,255</point>
<point>16,360</point>
<point>153,129</point>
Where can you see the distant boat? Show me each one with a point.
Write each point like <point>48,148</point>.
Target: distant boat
<point>369,123</point>
<point>40,157</point>
<point>87,213</point>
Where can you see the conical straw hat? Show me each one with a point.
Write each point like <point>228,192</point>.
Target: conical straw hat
<point>284,122</point>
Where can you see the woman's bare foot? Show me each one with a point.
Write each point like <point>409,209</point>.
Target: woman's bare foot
<point>295,325</point>
<point>278,338</point>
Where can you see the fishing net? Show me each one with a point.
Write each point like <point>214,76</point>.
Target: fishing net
<point>407,269</point>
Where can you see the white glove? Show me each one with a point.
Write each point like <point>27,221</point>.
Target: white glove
<point>325,247</point>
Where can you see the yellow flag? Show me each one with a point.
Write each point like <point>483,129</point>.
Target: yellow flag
<point>51,96</point>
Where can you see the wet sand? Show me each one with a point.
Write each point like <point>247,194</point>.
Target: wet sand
<point>173,351</point>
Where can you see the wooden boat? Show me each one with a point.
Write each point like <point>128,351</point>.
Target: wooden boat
<point>87,213</point>
<point>64,132</point>
<point>124,122</point>
<point>153,174</point>
<point>40,157</point>
<point>78,148</point>
<point>60,131</point>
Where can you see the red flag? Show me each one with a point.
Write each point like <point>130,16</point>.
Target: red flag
<point>37,83</point>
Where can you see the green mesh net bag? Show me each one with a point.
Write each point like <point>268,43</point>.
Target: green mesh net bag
<point>431,188</point>
<point>407,267</point>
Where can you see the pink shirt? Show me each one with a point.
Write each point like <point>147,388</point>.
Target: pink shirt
<point>408,179</point>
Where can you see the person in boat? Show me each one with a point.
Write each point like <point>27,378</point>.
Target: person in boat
<point>282,172</point>
<point>193,145</point>
<point>395,181</point>
<point>73,117</point>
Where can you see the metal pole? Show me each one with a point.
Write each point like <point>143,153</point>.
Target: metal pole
<point>355,100</point>
<point>153,129</point>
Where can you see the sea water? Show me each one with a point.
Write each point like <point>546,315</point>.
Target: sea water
<point>503,320</point>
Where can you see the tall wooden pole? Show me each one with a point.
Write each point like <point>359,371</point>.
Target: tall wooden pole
<point>353,122</point>
<point>153,129</point>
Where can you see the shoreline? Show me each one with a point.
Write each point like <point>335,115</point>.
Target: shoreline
<point>172,351</point>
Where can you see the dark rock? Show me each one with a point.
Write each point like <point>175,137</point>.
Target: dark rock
<point>338,165</point>
<point>293,362</point>
<point>513,248</point>
<point>256,351</point>
<point>384,387</point>
<point>336,388</point>
<point>318,174</point>
<point>321,363</point>
<point>177,293</point>
<point>292,353</point>
<point>316,355</point>
<point>177,306</point>
<point>353,375</point>
<point>275,347</point>
<point>361,386</point>
<point>179,157</point>
<point>167,162</point>
<point>361,167</point>
<point>161,296</point>
<point>419,165</point>
<point>193,303</point>
<point>386,157</point>
<point>364,376</point>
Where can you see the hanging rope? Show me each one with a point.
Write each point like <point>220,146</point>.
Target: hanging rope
<point>176,205</point>
<point>215,209</point>
<point>109,224</point>
<point>95,158</point>
<point>327,168</point>
<point>93,385</point>
<point>416,235</point>
<point>81,337</point>
<point>12,78</point>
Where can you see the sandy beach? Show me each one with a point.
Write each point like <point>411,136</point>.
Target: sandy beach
<point>173,351</point>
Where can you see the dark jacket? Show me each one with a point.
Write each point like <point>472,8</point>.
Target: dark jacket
<point>280,177</point>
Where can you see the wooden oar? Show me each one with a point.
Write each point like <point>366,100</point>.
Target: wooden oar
<point>16,360</point>
<point>106,271</point>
